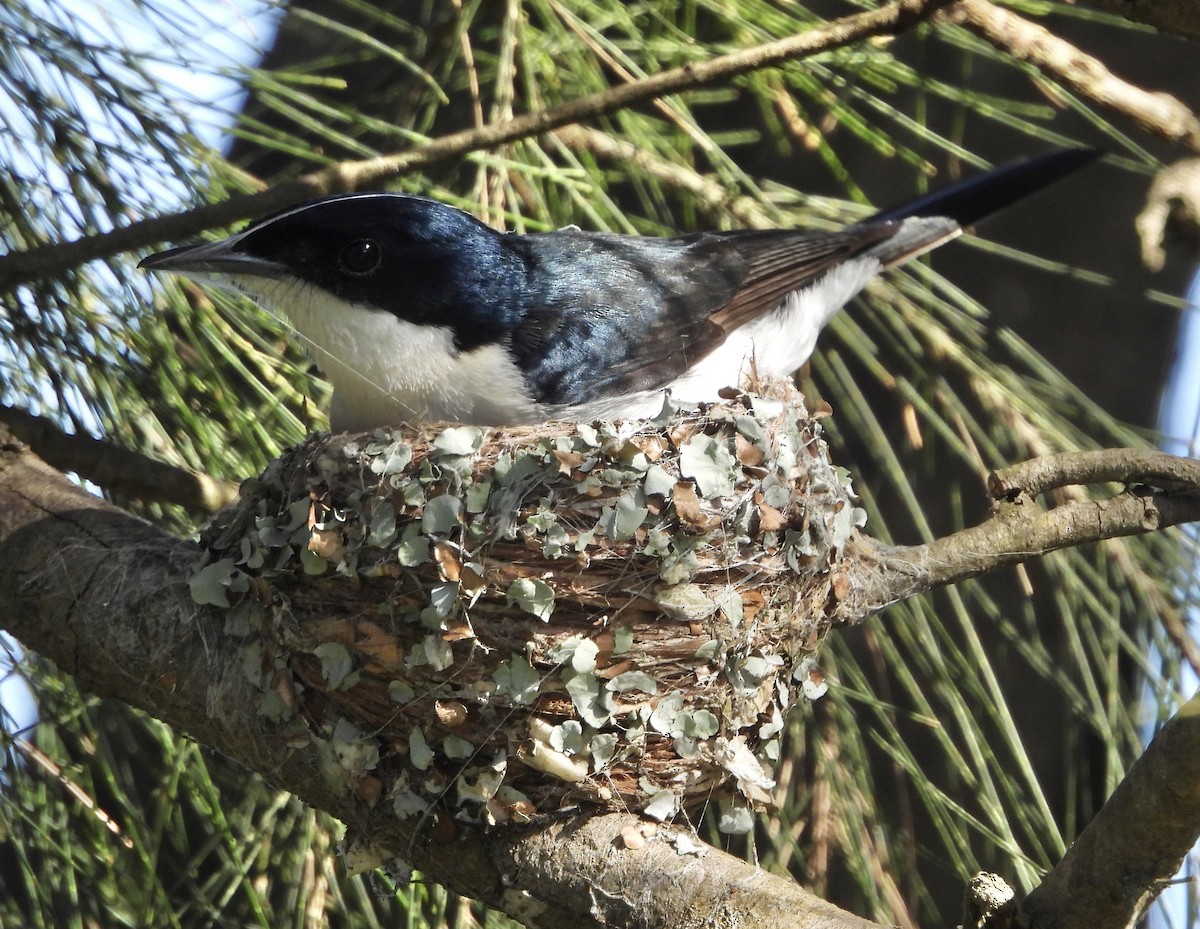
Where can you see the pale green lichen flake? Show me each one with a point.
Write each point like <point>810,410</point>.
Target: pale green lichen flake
<point>709,462</point>
<point>533,596</point>
<point>518,680</point>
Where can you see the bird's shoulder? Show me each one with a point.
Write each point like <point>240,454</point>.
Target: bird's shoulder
<point>616,313</point>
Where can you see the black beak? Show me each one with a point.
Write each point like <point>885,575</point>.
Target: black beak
<point>212,258</point>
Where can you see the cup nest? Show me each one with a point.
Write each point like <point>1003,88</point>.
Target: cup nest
<point>503,623</point>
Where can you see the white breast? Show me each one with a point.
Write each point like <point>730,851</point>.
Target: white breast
<point>385,370</point>
<point>779,342</point>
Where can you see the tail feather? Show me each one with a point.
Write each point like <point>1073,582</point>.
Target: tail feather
<point>914,236</point>
<point>926,223</point>
<point>976,197</point>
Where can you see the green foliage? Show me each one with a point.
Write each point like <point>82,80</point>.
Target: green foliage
<point>914,771</point>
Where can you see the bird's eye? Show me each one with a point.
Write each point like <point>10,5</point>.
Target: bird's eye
<point>360,257</point>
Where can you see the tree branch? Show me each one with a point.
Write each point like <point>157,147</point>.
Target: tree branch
<point>1119,863</point>
<point>1158,113</point>
<point>49,260</point>
<point>117,469</point>
<point>884,574</point>
<point>1033,478</point>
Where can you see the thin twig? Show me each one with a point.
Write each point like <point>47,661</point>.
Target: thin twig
<point>713,196</point>
<point>1172,207</point>
<point>40,759</point>
<point>49,260</point>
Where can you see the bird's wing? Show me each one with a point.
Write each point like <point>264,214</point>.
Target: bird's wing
<point>781,262</point>
<point>613,315</point>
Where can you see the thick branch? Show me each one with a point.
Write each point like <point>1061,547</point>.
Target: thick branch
<point>1119,863</point>
<point>116,469</point>
<point>48,260</point>
<point>886,574</point>
<point>105,595</point>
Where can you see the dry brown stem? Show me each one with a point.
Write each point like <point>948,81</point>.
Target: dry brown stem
<point>119,470</point>
<point>711,194</point>
<point>1157,113</point>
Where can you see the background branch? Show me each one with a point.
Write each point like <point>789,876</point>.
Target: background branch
<point>48,260</point>
<point>1137,841</point>
<point>883,575</point>
<point>1172,211</point>
<point>117,469</point>
<point>1158,113</point>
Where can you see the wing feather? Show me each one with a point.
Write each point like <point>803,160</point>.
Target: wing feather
<point>617,314</point>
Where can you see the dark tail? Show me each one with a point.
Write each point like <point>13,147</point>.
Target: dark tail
<point>977,197</point>
<point>924,224</point>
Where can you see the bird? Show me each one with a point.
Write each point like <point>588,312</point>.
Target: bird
<point>418,312</point>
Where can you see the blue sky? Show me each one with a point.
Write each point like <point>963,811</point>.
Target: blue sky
<point>1179,422</point>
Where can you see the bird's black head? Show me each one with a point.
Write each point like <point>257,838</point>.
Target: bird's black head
<point>420,260</point>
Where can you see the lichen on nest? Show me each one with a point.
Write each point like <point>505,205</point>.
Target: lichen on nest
<point>502,623</point>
